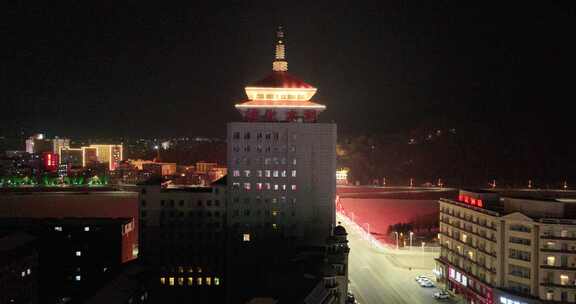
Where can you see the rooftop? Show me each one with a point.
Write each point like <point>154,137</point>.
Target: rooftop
<point>280,79</point>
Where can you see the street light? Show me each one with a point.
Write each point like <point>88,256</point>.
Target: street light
<point>423,243</point>
<point>411,234</point>
<point>396,233</point>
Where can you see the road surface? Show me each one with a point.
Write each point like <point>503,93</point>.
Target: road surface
<point>380,275</point>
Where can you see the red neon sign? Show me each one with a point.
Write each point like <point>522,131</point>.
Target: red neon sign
<point>471,201</point>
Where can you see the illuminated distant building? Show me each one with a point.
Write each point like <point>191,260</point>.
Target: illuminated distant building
<point>342,177</point>
<point>50,161</point>
<point>110,154</point>
<point>89,156</point>
<point>204,167</point>
<point>139,163</point>
<point>281,162</point>
<point>159,169</point>
<point>72,156</point>
<point>38,143</point>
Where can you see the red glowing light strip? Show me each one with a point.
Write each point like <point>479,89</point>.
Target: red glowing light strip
<point>471,201</point>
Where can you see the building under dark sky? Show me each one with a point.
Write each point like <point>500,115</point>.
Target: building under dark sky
<point>101,69</point>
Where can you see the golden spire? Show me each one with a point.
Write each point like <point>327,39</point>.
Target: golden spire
<point>280,64</point>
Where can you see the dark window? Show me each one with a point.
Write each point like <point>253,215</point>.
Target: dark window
<point>181,203</point>
<point>143,191</point>
<point>216,203</point>
<point>162,203</point>
<point>171,203</point>
<point>199,203</point>
<point>143,214</point>
<point>247,135</point>
<point>209,202</point>
<point>236,135</point>
<point>143,203</point>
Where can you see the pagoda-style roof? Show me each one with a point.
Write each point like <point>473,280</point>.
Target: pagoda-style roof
<point>281,79</point>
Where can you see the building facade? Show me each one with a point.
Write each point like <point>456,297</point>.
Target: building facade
<point>183,237</point>
<point>281,161</point>
<point>508,250</point>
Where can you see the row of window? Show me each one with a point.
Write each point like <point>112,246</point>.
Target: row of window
<point>259,212</point>
<point>263,186</point>
<point>519,271</point>
<point>189,281</point>
<point>268,161</point>
<point>172,203</point>
<point>264,173</point>
<point>519,254</point>
<point>260,135</point>
<point>521,241</point>
<point>272,200</point>
<point>266,149</point>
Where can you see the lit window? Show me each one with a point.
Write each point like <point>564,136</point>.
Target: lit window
<point>274,213</point>
<point>258,186</point>
<point>274,226</point>
<point>78,277</point>
<point>259,173</point>
<point>86,228</point>
<point>464,238</point>
<point>190,281</point>
<point>284,187</point>
<point>162,280</point>
<point>246,237</point>
<point>23,274</point>
<point>284,173</point>
<point>58,228</point>
<point>550,260</point>
<point>563,279</point>
<point>267,173</point>
<point>275,174</point>
<point>247,173</point>
<point>293,173</point>
<point>171,281</point>
<point>236,173</point>
<point>78,253</point>
<point>180,281</point>
<point>208,281</point>
<point>216,281</point>
<point>247,186</point>
<point>28,271</point>
<point>550,295</point>
<point>293,187</point>
<point>294,161</point>
<point>236,186</point>
<point>267,186</point>
<point>199,280</point>
<point>276,187</point>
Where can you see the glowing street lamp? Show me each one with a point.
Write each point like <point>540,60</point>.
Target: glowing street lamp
<point>411,234</point>
<point>396,234</point>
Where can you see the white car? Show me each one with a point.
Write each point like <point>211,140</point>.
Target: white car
<point>420,277</point>
<point>441,295</point>
<point>427,284</point>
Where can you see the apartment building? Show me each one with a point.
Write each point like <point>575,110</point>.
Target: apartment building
<point>508,250</point>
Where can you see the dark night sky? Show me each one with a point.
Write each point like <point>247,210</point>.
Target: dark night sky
<point>100,69</point>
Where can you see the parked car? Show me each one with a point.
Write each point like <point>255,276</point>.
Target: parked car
<point>350,299</point>
<point>441,295</point>
<point>426,283</point>
<point>420,277</point>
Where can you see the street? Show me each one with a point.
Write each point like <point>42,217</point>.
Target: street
<point>380,275</point>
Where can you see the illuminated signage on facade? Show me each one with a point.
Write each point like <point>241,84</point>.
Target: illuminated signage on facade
<point>471,201</point>
<point>458,277</point>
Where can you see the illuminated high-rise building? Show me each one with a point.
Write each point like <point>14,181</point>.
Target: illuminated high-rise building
<point>281,162</point>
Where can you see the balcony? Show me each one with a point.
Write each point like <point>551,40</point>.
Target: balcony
<point>552,250</point>
<point>466,258</point>
<point>569,268</point>
<point>556,285</point>
<point>557,237</point>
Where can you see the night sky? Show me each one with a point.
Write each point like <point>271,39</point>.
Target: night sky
<point>80,68</point>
